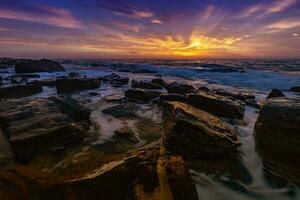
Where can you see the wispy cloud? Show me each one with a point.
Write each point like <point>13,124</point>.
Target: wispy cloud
<point>49,15</point>
<point>283,24</point>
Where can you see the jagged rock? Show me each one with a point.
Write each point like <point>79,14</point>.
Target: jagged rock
<point>19,91</point>
<point>159,81</point>
<point>190,132</point>
<point>173,97</point>
<point>70,85</point>
<point>141,95</point>
<point>275,93</point>
<point>217,105</point>
<point>179,88</point>
<point>115,80</point>
<point>295,89</point>
<point>149,174</point>
<point>126,134</point>
<point>36,126</point>
<point>277,137</point>
<point>32,66</point>
<point>74,74</point>
<point>127,110</point>
<point>145,85</point>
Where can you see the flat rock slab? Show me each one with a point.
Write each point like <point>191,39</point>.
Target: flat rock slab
<point>70,85</point>
<point>19,91</point>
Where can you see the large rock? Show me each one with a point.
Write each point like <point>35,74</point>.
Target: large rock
<point>36,126</point>
<point>147,175</point>
<point>189,131</point>
<point>19,91</point>
<point>277,137</point>
<point>70,85</point>
<point>217,105</point>
<point>141,95</point>
<point>115,80</point>
<point>145,85</point>
<point>32,66</point>
<point>159,81</point>
<point>126,134</point>
<point>295,89</point>
<point>275,93</point>
<point>127,110</point>
<point>242,96</point>
<point>179,88</point>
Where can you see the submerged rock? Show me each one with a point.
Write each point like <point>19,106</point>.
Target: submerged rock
<point>70,85</point>
<point>145,85</point>
<point>141,95</point>
<point>127,110</point>
<point>275,93</point>
<point>277,137</point>
<point>32,66</point>
<point>19,91</point>
<point>217,105</point>
<point>179,88</point>
<point>189,131</point>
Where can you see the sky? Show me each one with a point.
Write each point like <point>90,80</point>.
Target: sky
<point>150,29</point>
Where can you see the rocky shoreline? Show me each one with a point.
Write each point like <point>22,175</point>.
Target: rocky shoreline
<point>161,129</point>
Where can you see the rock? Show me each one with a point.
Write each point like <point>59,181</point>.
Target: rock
<point>32,66</point>
<point>27,76</point>
<point>173,97</point>
<point>145,85</point>
<point>242,96</point>
<point>126,134</point>
<point>144,71</point>
<point>74,74</point>
<point>277,137</point>
<point>141,95</point>
<point>148,174</point>
<point>1,80</point>
<point>205,89</point>
<point>192,132</point>
<point>36,126</point>
<point>45,82</point>
<point>217,105</point>
<point>115,80</point>
<point>71,85</point>
<point>159,81</point>
<point>179,88</point>
<point>19,91</point>
<point>275,93</point>
<point>127,110</point>
<point>295,89</point>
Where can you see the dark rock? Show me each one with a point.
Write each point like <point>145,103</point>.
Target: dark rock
<point>74,74</point>
<point>242,96</point>
<point>126,134</point>
<point>7,62</point>
<point>144,71</point>
<point>127,110</point>
<point>295,89</point>
<point>1,80</point>
<point>32,66</point>
<point>275,93</point>
<point>173,97</point>
<point>145,85</point>
<point>95,65</point>
<point>71,85</point>
<point>27,76</point>
<point>189,131</point>
<point>180,88</point>
<point>217,105</point>
<point>205,89</point>
<point>115,80</point>
<point>45,82</point>
<point>277,137</point>
<point>252,103</point>
<point>141,95</point>
<point>19,91</point>
<point>159,81</point>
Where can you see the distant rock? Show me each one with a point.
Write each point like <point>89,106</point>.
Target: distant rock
<point>145,85</point>
<point>217,105</point>
<point>141,95</point>
<point>32,66</point>
<point>70,85</point>
<point>115,80</point>
<point>295,89</point>
<point>221,68</point>
<point>277,137</point>
<point>126,134</point>
<point>275,93</point>
<point>179,88</point>
<point>192,132</point>
<point>19,91</point>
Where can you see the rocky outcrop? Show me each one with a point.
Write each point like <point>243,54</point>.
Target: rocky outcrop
<point>18,91</point>
<point>217,105</point>
<point>189,131</point>
<point>275,93</point>
<point>277,137</point>
<point>32,66</point>
<point>179,88</point>
<point>145,85</point>
<point>141,95</point>
<point>295,89</point>
<point>36,126</point>
<point>70,85</point>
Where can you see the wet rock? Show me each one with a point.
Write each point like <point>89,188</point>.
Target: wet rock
<point>36,126</point>
<point>217,105</point>
<point>145,85</point>
<point>205,89</point>
<point>295,89</point>
<point>252,103</point>
<point>275,93</point>
<point>192,132</point>
<point>179,88</point>
<point>126,134</point>
<point>141,95</point>
<point>127,110</point>
<point>115,80</point>
<point>32,66</point>
<point>114,98</point>
<point>70,85</point>
<point>159,81</point>
<point>1,80</point>
<point>173,97</point>
<point>74,74</point>
<point>7,62</point>
<point>277,137</point>
<point>45,82</point>
<point>242,96</point>
<point>19,91</point>
<point>149,174</point>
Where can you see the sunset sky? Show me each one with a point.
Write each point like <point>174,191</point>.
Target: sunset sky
<point>150,28</point>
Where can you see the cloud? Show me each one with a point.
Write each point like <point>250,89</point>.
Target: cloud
<point>48,15</point>
<point>156,21</point>
<point>283,24</point>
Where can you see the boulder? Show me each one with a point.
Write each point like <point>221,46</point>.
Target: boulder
<point>173,97</point>
<point>36,126</point>
<point>44,82</point>
<point>275,93</point>
<point>145,85</point>
<point>277,137</point>
<point>295,89</point>
<point>126,134</point>
<point>242,96</point>
<point>217,105</point>
<point>115,80</point>
<point>70,85</point>
<point>191,132</point>
<point>32,66</point>
<point>159,81</point>
<point>127,110</point>
<point>179,88</point>
<point>19,91</point>
<point>141,95</point>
